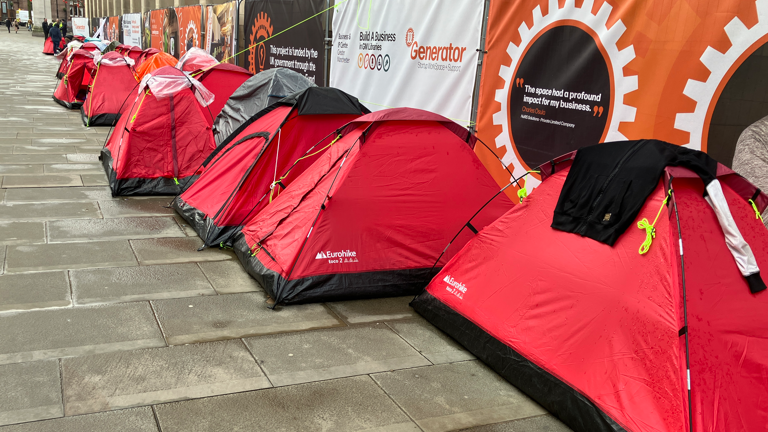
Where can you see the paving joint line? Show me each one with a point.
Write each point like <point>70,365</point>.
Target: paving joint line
<point>157,420</point>
<point>386,323</point>
<point>157,321</point>
<point>394,401</point>
<point>253,356</point>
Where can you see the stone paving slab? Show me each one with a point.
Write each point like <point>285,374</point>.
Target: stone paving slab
<point>30,149</point>
<point>127,207</point>
<point>542,423</point>
<point>59,194</point>
<point>89,149</point>
<point>29,181</point>
<point>2,191</point>
<point>34,291</point>
<point>33,159</point>
<point>48,211</point>
<point>229,277</point>
<point>77,230</point>
<point>349,404</point>
<point>203,319</point>
<point>129,420</point>
<point>124,284</point>
<point>6,150</point>
<point>74,157</point>
<point>28,258</point>
<point>68,140</point>
<point>455,396</point>
<point>30,391</point>
<point>374,310</point>
<point>176,250</point>
<point>430,342</point>
<point>332,353</point>
<point>94,179</point>
<point>39,335</point>
<point>134,378</point>
<point>74,168</point>
<point>13,233</point>
<point>3,250</point>
<point>21,169</point>
<point>53,135</point>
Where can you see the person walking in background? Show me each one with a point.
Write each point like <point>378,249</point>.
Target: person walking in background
<point>64,28</point>
<point>55,34</point>
<point>16,25</point>
<point>29,24</point>
<point>8,24</point>
<point>46,26</point>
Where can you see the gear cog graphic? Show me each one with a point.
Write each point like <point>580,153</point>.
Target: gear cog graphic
<point>718,64</point>
<point>616,60</point>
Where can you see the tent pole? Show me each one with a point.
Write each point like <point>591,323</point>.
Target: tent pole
<point>328,42</point>
<point>237,30</point>
<point>480,56</point>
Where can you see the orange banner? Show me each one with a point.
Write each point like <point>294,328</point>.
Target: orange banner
<point>560,75</point>
<point>156,28</point>
<point>113,29</point>
<point>189,19</point>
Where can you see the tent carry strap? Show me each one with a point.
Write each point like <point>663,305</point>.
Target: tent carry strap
<point>279,182</point>
<point>650,229</point>
<point>757,212</point>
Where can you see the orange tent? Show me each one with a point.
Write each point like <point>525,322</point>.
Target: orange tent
<point>155,62</point>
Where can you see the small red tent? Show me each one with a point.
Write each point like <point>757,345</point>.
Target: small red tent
<point>222,80</point>
<point>147,53</point>
<point>67,53</point>
<point>134,53</point>
<point>48,46</point>
<point>237,178</point>
<point>196,59</point>
<point>606,338</point>
<point>113,83</point>
<point>72,88</point>
<point>373,215</point>
<point>162,139</point>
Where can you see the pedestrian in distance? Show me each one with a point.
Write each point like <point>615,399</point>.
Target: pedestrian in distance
<point>55,34</point>
<point>64,28</point>
<point>46,26</point>
<point>8,24</point>
<point>16,25</point>
<point>30,24</point>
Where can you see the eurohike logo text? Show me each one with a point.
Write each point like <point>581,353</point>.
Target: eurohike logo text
<point>455,287</point>
<point>344,256</point>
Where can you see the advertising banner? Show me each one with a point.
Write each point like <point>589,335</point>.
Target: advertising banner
<point>156,18</point>
<point>300,49</point>
<point>147,29</point>
<point>189,19</point>
<point>80,27</point>
<point>98,25</point>
<point>219,34</point>
<point>562,75</point>
<point>132,29</point>
<point>404,53</point>
<point>170,32</point>
<point>113,29</point>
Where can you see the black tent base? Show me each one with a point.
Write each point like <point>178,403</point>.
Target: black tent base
<point>211,234</point>
<point>557,397</point>
<point>70,105</point>
<point>331,287</point>
<point>98,119</point>
<point>158,186</point>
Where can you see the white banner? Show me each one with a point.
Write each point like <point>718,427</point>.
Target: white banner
<point>22,15</point>
<point>132,29</point>
<point>80,27</point>
<point>406,53</point>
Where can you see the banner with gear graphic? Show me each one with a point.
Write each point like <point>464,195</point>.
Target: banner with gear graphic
<point>156,19</point>
<point>219,31</point>
<point>408,54</point>
<point>189,19</point>
<point>560,75</point>
<point>132,29</point>
<point>300,48</point>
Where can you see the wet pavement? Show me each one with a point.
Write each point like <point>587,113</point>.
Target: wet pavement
<point>110,320</point>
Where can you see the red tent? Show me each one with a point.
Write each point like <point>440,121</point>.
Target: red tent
<point>48,46</point>
<point>373,215</point>
<point>72,88</point>
<point>154,62</point>
<point>113,84</point>
<point>161,139</point>
<point>601,336</point>
<point>196,59</point>
<point>147,53</point>
<point>237,178</point>
<point>134,53</point>
<point>222,80</point>
<point>67,53</point>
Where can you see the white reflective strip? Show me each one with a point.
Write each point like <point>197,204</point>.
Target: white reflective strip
<point>681,246</point>
<point>310,231</point>
<point>739,248</point>
<point>689,379</point>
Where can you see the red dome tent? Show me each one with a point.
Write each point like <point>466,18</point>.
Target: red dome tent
<point>373,215</point>
<point>221,80</point>
<point>113,83</point>
<point>48,46</point>
<point>72,88</point>
<point>134,53</point>
<point>161,139</point>
<point>196,59</point>
<point>600,336</point>
<point>147,53</point>
<point>67,53</point>
<point>237,178</point>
